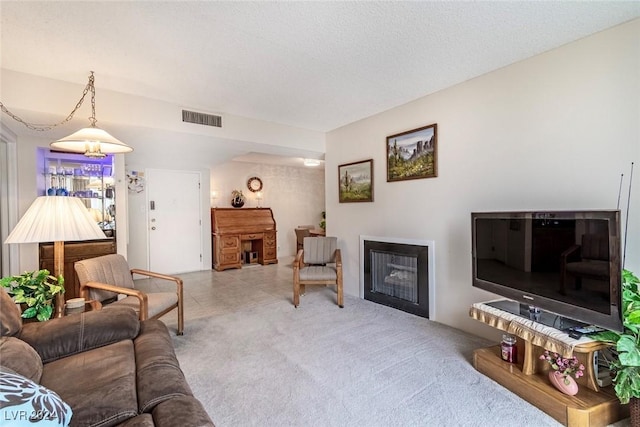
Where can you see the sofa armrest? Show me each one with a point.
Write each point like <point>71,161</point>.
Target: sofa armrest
<point>65,336</point>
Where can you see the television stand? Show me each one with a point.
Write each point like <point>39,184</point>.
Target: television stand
<point>528,377</point>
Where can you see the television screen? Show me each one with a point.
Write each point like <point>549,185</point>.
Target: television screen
<point>564,262</point>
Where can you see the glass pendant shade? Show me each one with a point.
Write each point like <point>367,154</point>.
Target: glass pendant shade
<point>92,142</point>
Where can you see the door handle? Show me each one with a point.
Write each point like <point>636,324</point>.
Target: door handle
<point>153,228</point>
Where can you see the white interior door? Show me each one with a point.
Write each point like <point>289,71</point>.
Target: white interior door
<point>174,221</point>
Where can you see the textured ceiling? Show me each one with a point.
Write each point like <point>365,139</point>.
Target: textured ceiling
<point>314,65</point>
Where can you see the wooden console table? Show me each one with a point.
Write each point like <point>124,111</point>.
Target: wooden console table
<point>592,406</point>
<point>235,230</point>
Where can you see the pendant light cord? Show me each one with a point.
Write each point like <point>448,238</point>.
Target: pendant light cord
<point>40,127</point>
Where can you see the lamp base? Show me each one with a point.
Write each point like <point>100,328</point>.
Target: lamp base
<point>58,270</point>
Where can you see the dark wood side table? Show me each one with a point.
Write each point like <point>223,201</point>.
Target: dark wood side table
<point>75,251</point>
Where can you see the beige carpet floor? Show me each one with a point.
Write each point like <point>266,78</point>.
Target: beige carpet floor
<point>364,365</point>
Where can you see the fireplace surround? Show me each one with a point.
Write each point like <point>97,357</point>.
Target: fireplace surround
<point>398,273</point>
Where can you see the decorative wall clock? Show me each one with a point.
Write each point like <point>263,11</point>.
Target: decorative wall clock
<point>254,184</point>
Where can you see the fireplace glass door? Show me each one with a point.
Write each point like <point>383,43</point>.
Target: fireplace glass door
<point>397,275</point>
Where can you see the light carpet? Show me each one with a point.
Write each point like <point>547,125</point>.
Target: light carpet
<point>364,365</point>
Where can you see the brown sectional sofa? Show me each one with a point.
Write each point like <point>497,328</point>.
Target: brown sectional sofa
<point>107,366</point>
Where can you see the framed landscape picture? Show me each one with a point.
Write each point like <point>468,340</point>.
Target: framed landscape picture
<point>355,182</point>
<point>413,154</point>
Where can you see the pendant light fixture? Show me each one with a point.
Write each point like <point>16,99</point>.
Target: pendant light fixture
<point>92,141</point>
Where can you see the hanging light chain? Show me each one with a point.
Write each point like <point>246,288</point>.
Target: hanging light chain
<point>40,127</point>
<point>91,85</point>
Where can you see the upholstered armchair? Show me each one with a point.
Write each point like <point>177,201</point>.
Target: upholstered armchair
<point>319,262</point>
<point>590,259</point>
<point>104,277</point>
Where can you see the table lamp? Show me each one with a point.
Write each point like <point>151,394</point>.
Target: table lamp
<point>56,219</point>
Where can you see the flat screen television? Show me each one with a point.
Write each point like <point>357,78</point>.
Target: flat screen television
<point>564,262</point>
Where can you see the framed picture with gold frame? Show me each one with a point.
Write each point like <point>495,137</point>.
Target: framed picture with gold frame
<point>355,182</point>
<point>413,154</point>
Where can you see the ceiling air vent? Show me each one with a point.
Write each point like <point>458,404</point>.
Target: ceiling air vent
<point>201,118</point>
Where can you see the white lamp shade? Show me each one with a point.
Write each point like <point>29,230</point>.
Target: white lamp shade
<point>79,142</point>
<point>55,219</point>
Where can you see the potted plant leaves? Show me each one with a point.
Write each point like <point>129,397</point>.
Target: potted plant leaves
<point>626,365</point>
<point>36,291</point>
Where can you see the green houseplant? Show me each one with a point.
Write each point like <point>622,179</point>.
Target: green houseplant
<point>626,366</point>
<point>37,290</point>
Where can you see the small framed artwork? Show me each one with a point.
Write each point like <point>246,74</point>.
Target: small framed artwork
<point>413,154</point>
<point>355,182</point>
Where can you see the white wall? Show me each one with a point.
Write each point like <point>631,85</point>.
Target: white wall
<point>551,132</point>
<point>8,191</point>
<point>134,118</point>
<point>295,195</point>
<point>160,140</point>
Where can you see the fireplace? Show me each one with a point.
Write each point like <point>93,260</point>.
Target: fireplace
<point>398,273</point>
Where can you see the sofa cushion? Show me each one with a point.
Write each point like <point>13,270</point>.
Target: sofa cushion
<point>142,420</point>
<point>159,376</point>
<point>26,403</point>
<point>99,384</point>
<point>183,411</point>
<point>76,333</point>
<point>10,320</point>
<point>21,358</point>
<point>317,272</point>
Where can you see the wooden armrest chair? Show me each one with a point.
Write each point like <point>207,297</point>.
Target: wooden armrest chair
<point>318,263</point>
<point>301,233</point>
<point>105,277</point>
<point>590,259</point>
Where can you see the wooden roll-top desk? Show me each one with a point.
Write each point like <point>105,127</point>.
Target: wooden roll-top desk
<point>239,230</point>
